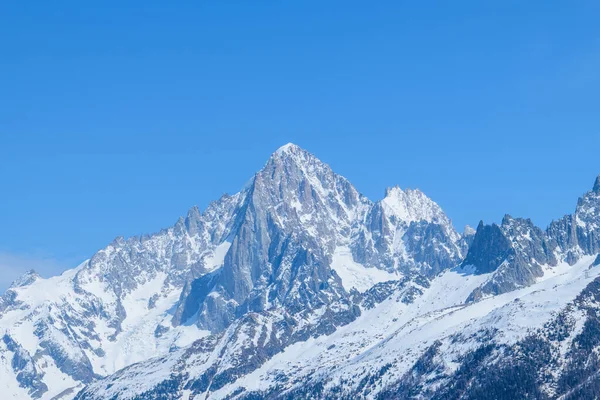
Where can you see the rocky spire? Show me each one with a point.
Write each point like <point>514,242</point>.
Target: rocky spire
<point>489,249</point>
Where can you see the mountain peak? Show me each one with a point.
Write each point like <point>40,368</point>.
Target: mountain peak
<point>26,279</point>
<point>292,153</point>
<point>411,205</point>
<point>489,249</point>
<point>596,188</point>
<point>288,148</point>
<point>296,177</point>
<point>392,191</point>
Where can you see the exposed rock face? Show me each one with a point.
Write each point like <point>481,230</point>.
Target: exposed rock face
<point>529,241</point>
<point>578,234</point>
<point>407,231</point>
<point>540,342</point>
<point>509,253</point>
<point>490,248</point>
<point>25,368</point>
<point>295,213</point>
<point>102,316</point>
<point>267,249</point>
<point>418,336</point>
<point>300,287</point>
<point>516,251</point>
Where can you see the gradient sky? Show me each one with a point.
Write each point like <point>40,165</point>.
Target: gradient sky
<point>116,117</point>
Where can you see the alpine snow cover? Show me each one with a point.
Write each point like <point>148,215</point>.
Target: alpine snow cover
<point>299,287</point>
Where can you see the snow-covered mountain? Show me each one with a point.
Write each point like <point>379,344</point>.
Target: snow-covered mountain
<point>300,287</point>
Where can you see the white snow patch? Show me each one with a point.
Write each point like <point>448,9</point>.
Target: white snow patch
<point>355,275</point>
<point>217,259</point>
<point>285,148</point>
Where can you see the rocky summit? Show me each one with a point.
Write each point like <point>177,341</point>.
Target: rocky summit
<point>300,287</point>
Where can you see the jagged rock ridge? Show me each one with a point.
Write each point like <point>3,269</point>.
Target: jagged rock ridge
<point>296,287</point>
<point>291,244</point>
<point>519,291</point>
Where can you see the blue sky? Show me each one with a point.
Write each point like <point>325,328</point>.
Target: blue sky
<point>115,118</point>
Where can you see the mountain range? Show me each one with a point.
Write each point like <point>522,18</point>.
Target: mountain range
<point>300,287</point>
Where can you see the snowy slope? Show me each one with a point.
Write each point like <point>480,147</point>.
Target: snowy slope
<point>298,286</point>
<point>397,334</point>
<point>109,312</point>
<point>390,337</point>
<point>355,275</point>
<point>53,325</point>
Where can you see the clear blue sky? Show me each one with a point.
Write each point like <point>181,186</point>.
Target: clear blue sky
<point>116,117</point>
